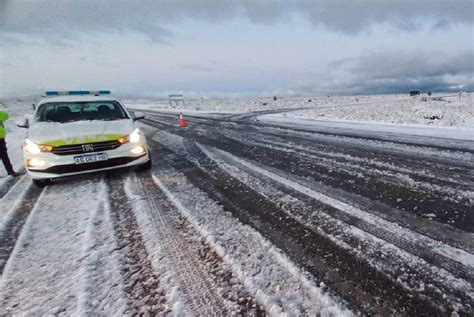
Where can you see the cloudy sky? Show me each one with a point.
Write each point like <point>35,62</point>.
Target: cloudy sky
<point>238,48</point>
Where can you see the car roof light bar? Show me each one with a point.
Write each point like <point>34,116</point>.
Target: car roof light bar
<point>77,93</point>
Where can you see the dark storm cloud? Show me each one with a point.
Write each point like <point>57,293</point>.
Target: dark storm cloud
<point>351,16</point>
<point>68,18</point>
<point>399,72</point>
<point>411,64</point>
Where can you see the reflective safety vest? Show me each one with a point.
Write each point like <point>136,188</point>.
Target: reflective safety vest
<point>3,130</point>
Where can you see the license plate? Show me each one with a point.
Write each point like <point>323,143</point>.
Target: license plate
<point>90,158</point>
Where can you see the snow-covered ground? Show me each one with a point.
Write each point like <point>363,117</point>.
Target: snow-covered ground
<point>239,216</point>
<point>447,110</point>
<point>257,103</point>
<point>441,110</point>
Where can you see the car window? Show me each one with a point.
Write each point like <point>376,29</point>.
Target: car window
<point>79,111</point>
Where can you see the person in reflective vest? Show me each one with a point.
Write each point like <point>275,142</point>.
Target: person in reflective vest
<point>3,145</point>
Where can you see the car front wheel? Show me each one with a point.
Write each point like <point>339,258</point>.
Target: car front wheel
<point>42,182</point>
<point>146,166</point>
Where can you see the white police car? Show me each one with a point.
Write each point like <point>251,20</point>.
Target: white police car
<point>79,132</point>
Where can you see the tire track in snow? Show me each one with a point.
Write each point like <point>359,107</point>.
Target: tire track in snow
<point>16,216</point>
<point>442,181</point>
<point>10,182</point>
<point>141,282</point>
<point>406,199</point>
<point>458,261</point>
<point>444,208</point>
<point>213,138</point>
<point>375,203</point>
<point>42,273</point>
<point>408,270</point>
<point>101,283</point>
<point>198,290</point>
<point>459,158</point>
<point>13,198</point>
<point>354,279</point>
<point>275,281</point>
<point>404,140</point>
<point>439,231</point>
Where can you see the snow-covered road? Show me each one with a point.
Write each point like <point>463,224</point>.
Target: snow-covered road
<point>244,216</point>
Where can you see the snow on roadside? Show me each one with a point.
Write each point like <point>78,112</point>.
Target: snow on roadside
<point>448,111</point>
<point>218,104</point>
<point>54,266</point>
<point>266,272</point>
<point>443,110</point>
<point>229,105</point>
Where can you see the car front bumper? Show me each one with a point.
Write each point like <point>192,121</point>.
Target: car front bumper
<point>64,165</point>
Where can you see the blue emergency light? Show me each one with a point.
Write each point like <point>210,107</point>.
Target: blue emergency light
<point>77,93</point>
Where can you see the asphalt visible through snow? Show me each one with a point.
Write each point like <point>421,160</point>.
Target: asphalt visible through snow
<point>416,198</point>
<point>239,216</point>
<point>412,177</point>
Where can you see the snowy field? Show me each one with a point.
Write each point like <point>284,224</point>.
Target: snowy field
<point>441,110</point>
<point>258,103</point>
<point>447,110</point>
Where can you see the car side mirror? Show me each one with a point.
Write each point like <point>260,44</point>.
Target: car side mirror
<point>138,115</point>
<point>23,123</point>
<point>33,106</point>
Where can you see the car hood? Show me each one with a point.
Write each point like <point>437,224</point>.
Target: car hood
<point>78,132</point>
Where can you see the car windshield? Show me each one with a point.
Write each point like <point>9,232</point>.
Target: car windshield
<point>77,111</point>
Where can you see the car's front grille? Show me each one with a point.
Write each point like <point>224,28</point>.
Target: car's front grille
<point>86,148</point>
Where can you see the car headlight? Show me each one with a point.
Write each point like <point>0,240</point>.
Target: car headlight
<point>34,148</point>
<point>134,137</point>
<point>35,163</point>
<point>138,150</point>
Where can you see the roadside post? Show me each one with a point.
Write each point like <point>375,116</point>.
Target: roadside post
<point>176,100</point>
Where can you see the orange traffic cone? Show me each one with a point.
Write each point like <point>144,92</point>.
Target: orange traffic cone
<point>181,120</point>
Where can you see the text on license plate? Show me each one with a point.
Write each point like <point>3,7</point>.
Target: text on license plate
<point>89,158</point>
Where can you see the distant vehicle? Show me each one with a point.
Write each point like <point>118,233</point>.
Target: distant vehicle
<point>415,93</point>
<point>79,132</point>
